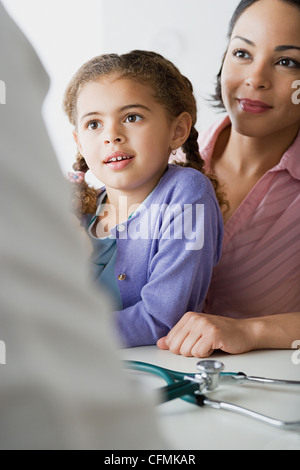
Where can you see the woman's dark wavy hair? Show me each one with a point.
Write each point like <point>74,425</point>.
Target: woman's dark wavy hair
<point>242,6</point>
<point>171,89</point>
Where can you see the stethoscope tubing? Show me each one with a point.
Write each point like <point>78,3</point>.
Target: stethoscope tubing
<point>178,386</point>
<point>181,385</point>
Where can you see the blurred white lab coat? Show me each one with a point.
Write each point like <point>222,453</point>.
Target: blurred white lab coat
<point>62,386</point>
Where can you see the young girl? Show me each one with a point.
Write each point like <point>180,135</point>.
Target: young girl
<point>156,228</point>
<point>254,298</point>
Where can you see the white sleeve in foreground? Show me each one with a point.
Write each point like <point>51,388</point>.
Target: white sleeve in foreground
<point>62,386</point>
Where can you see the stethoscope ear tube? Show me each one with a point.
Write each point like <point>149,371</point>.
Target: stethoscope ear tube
<point>220,405</point>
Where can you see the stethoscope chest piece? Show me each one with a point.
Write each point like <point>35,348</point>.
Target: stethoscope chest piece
<point>210,373</point>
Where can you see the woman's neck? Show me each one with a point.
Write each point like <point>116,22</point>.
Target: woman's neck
<point>252,156</point>
<point>239,162</point>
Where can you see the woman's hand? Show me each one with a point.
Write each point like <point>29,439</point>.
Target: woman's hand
<point>198,335</point>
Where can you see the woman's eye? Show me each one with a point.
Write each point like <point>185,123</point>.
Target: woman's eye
<point>241,54</point>
<point>94,125</point>
<point>133,118</point>
<point>286,62</point>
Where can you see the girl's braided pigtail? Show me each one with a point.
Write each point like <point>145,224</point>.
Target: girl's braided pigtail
<point>84,200</point>
<point>191,150</point>
<point>194,160</point>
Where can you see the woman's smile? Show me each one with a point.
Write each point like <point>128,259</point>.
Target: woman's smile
<point>253,106</point>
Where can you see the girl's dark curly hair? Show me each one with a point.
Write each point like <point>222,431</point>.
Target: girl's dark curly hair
<point>171,89</point>
<point>242,6</point>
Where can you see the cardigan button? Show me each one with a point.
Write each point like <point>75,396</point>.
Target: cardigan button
<point>122,277</point>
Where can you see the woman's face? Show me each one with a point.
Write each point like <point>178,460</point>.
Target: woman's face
<point>260,69</point>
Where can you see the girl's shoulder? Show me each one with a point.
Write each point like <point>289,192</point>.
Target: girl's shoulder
<point>187,176</point>
<point>185,183</point>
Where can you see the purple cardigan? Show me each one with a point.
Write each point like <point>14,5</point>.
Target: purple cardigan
<point>165,255</point>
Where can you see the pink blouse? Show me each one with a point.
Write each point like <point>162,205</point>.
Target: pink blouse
<point>259,271</point>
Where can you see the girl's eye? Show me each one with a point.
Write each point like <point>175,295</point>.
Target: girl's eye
<point>241,54</point>
<point>133,118</point>
<point>93,125</point>
<point>290,63</point>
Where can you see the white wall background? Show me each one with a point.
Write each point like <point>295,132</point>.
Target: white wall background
<point>66,33</point>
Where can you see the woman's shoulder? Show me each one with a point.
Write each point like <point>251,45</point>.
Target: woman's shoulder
<point>208,138</point>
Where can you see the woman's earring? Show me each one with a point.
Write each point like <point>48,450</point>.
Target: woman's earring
<point>174,151</point>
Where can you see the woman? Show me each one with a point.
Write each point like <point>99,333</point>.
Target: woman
<point>254,297</point>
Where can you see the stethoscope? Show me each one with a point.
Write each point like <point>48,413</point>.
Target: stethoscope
<point>190,387</point>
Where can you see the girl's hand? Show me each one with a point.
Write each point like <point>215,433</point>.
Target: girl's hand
<point>198,335</point>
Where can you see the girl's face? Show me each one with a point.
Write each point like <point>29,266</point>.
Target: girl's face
<point>260,67</point>
<point>124,134</point>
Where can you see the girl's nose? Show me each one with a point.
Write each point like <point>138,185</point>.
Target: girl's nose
<point>111,140</point>
<point>113,135</point>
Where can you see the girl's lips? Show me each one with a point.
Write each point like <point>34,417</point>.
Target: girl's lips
<point>254,107</point>
<point>118,160</point>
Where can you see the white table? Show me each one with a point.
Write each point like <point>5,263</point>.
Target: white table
<point>188,427</point>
